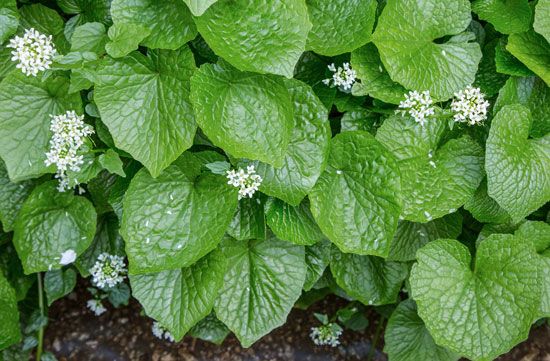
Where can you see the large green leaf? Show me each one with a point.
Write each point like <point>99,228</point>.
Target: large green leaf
<point>410,236</point>
<point>25,107</point>
<point>9,315</point>
<point>249,220</point>
<point>533,50</point>
<point>248,115</point>
<point>478,309</point>
<point>340,26</point>
<point>198,7</point>
<point>518,168</point>
<point>508,17</point>
<point>174,220</point>
<point>357,200</point>
<point>9,21</point>
<point>307,150</point>
<point>262,283</point>
<point>144,101</point>
<point>405,38</point>
<point>51,223</point>
<point>292,223</point>
<point>437,180</point>
<point>542,18</point>
<point>47,21</point>
<point>180,298</point>
<point>169,21</point>
<point>12,196</point>
<point>378,283</point>
<point>484,208</point>
<point>407,339</point>
<point>264,36</point>
<point>375,80</point>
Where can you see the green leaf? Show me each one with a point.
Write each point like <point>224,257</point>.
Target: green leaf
<point>487,77</point>
<point>307,150</point>
<point>13,270</point>
<point>249,220</point>
<point>12,196</point>
<point>47,21</point>
<point>174,220</point>
<point>539,234</point>
<point>262,283</point>
<point>256,35</point>
<point>359,119</point>
<point>518,168</point>
<point>119,295</point>
<point>9,315</point>
<point>410,236</point>
<point>168,22</point>
<point>219,167</point>
<point>340,26</point>
<point>506,63</point>
<point>375,80</point>
<point>87,10</point>
<point>51,223</point>
<point>437,179</point>
<point>508,17</point>
<point>9,21</point>
<point>407,339</point>
<point>484,208</point>
<point>144,101</point>
<point>210,329</point>
<point>534,94</point>
<point>248,115</point>
<point>312,69</point>
<point>198,7</point>
<point>59,283</point>
<point>379,282</point>
<point>111,161</point>
<point>542,18</point>
<point>405,37</point>
<point>89,37</point>
<point>479,308</point>
<point>292,223</point>
<point>532,50</point>
<point>25,107</point>
<point>125,38</point>
<point>357,200</point>
<point>180,298</point>
<point>317,260</point>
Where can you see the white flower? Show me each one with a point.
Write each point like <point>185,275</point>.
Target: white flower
<point>470,106</point>
<point>248,182</point>
<point>69,132</point>
<point>328,334</point>
<point>108,271</point>
<point>417,105</point>
<point>96,306</point>
<point>343,77</point>
<point>33,52</point>
<point>67,257</point>
<point>161,333</point>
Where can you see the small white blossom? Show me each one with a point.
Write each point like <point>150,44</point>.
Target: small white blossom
<point>96,306</point>
<point>161,333</point>
<point>417,105</point>
<point>67,257</point>
<point>33,52</point>
<point>69,132</point>
<point>470,106</point>
<point>108,271</point>
<point>343,77</point>
<point>328,334</point>
<point>248,182</point>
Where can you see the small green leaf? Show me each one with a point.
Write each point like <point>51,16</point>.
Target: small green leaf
<point>532,50</point>
<point>479,308</point>
<point>198,7</point>
<point>119,295</point>
<point>317,260</point>
<point>219,167</point>
<point>9,21</point>
<point>12,196</point>
<point>51,223</point>
<point>357,200</point>
<point>9,315</point>
<point>210,329</point>
<point>262,283</point>
<point>59,283</point>
<point>249,220</point>
<point>484,208</point>
<point>542,18</point>
<point>125,38</point>
<point>508,17</point>
<point>89,37</point>
<point>111,161</point>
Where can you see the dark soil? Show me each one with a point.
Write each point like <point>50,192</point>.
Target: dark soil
<point>74,333</point>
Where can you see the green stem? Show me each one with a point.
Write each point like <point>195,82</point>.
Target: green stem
<point>377,333</point>
<point>40,347</point>
<point>382,110</point>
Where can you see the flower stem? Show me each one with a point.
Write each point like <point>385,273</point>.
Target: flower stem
<point>40,347</point>
<point>377,333</point>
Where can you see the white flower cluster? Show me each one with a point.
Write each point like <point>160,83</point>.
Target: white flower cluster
<point>328,334</point>
<point>161,333</point>
<point>96,306</point>
<point>417,105</point>
<point>470,106</point>
<point>34,52</point>
<point>343,77</point>
<point>69,132</point>
<point>109,270</point>
<point>248,182</point>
